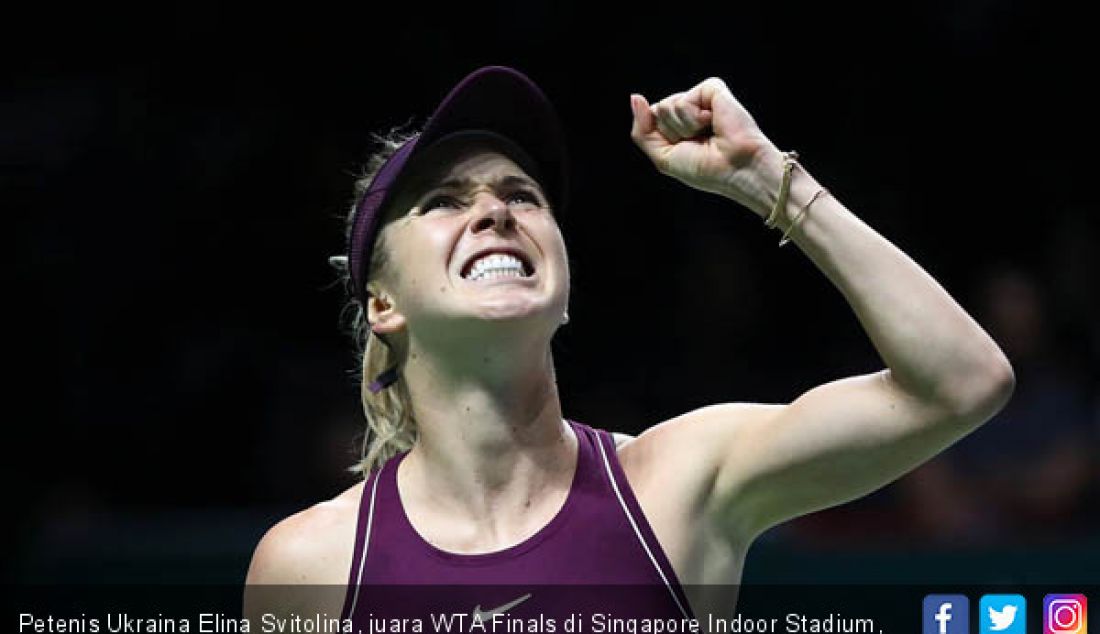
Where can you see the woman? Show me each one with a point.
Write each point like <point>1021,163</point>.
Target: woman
<point>471,473</point>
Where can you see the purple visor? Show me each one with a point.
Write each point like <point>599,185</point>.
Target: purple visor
<point>496,99</point>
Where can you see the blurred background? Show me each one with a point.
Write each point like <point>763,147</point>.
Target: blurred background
<point>179,175</point>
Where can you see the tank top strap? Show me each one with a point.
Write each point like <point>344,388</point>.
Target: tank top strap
<point>364,523</point>
<point>611,468</point>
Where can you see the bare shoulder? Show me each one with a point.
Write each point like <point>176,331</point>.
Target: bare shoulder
<point>703,426</point>
<point>687,450</point>
<point>313,546</point>
<point>673,469</point>
<point>621,439</point>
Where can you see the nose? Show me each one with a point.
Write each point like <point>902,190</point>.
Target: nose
<point>492,213</point>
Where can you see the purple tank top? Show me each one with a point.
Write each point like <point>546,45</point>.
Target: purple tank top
<point>598,554</point>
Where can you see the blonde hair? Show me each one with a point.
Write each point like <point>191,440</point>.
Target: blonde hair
<point>391,426</point>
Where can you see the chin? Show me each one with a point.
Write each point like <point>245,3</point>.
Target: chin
<point>523,315</point>
<point>511,313</point>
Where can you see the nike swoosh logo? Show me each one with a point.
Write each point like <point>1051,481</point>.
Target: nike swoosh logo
<point>488,614</point>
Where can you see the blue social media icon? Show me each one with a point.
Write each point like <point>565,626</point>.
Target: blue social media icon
<point>946,614</point>
<point>1003,614</point>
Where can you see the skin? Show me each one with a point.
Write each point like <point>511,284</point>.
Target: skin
<point>495,459</point>
<point>494,456</point>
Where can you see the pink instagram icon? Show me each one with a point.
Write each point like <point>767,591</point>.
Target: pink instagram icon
<point>1065,614</point>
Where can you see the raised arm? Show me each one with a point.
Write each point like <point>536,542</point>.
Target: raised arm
<point>944,375</point>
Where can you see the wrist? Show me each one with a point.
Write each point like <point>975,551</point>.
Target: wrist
<point>756,185</point>
<point>760,184</point>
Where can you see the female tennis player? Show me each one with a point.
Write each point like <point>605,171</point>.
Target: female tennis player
<point>471,474</point>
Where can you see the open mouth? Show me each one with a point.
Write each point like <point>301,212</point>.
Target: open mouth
<point>497,264</point>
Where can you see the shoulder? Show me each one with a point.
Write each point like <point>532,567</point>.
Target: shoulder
<point>302,562</point>
<point>621,439</point>
<point>313,546</point>
<point>688,449</point>
<point>706,428</point>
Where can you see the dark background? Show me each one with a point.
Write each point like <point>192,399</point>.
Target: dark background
<point>178,177</point>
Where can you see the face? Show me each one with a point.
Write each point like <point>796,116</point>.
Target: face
<point>476,244</point>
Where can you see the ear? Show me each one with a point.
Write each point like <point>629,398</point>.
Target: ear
<point>382,312</point>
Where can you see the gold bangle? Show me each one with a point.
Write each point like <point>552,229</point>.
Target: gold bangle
<point>801,212</point>
<point>790,159</point>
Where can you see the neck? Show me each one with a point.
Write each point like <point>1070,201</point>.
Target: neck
<point>491,434</point>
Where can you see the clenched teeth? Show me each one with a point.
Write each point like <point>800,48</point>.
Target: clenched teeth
<point>496,265</point>
<point>494,274</point>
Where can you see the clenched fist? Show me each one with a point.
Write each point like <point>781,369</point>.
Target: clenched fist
<point>704,138</point>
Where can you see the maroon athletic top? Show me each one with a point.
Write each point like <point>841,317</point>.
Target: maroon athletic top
<point>598,554</point>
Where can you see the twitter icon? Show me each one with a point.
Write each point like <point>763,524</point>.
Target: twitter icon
<point>1002,613</point>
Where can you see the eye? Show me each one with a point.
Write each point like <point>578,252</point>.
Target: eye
<point>441,202</point>
<point>524,196</point>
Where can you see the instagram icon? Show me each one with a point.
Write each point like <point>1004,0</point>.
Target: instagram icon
<point>1065,614</point>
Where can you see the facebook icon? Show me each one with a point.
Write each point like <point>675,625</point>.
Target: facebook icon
<point>946,614</point>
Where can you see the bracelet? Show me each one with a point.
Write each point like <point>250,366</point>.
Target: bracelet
<point>801,212</point>
<point>790,159</point>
